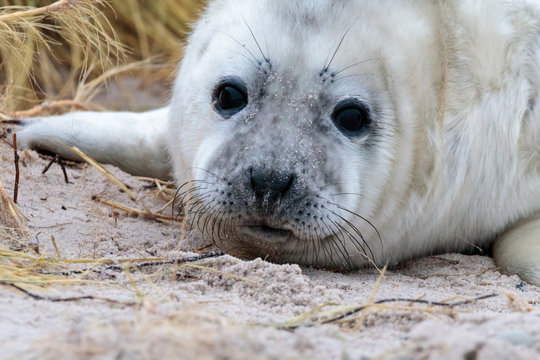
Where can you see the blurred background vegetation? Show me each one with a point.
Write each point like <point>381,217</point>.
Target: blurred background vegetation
<point>57,56</point>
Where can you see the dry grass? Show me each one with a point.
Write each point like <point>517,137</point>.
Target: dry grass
<point>354,316</point>
<point>26,269</point>
<point>154,28</point>
<point>12,230</point>
<point>49,48</point>
<point>30,39</point>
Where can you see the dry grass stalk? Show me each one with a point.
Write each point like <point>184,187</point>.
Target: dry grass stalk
<point>318,316</point>
<point>33,274</point>
<point>30,271</point>
<point>145,213</point>
<point>102,170</point>
<point>152,28</point>
<point>71,298</point>
<point>429,308</point>
<point>48,48</point>
<point>35,40</point>
<point>12,229</point>
<point>166,189</point>
<point>516,303</point>
<point>87,89</point>
<point>226,274</point>
<point>17,169</point>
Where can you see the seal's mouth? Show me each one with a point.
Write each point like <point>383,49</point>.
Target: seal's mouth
<point>265,232</point>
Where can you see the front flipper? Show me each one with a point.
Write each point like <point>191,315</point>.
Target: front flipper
<point>134,142</point>
<point>518,250</point>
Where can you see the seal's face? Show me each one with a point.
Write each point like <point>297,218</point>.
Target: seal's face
<point>274,180</point>
<point>289,138</point>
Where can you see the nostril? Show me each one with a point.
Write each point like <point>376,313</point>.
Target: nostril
<point>287,187</point>
<point>252,180</point>
<point>269,184</point>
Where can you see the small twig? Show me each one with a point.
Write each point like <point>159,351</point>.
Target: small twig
<point>458,275</point>
<point>415,301</point>
<point>145,213</point>
<point>57,159</point>
<point>61,163</point>
<point>169,262</point>
<point>52,226</point>
<point>48,166</point>
<point>16,159</point>
<point>70,163</point>
<point>101,169</point>
<point>10,121</point>
<point>70,299</point>
<point>226,274</point>
<point>53,240</point>
<point>357,309</point>
<point>141,265</point>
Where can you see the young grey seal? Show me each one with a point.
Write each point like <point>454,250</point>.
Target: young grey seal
<point>342,133</point>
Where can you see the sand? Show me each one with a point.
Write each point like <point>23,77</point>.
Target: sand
<point>228,308</point>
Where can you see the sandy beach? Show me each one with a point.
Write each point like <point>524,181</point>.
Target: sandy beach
<point>227,308</point>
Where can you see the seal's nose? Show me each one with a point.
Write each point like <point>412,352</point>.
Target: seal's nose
<point>270,185</point>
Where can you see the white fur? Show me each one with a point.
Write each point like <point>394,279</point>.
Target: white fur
<point>517,251</point>
<point>458,85</point>
<point>133,141</point>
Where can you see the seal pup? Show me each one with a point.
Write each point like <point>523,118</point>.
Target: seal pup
<point>342,133</point>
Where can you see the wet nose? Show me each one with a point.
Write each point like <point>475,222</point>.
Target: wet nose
<point>270,185</point>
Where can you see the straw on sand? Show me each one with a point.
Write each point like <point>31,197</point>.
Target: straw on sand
<point>11,219</point>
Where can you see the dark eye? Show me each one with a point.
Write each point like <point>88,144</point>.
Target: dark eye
<point>230,97</point>
<point>351,117</point>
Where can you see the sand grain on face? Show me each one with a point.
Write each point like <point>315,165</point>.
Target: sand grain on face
<point>226,307</point>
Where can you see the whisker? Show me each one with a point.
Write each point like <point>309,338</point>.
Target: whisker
<point>361,217</point>
<point>337,72</point>
<point>358,246</point>
<point>229,183</point>
<point>343,231</point>
<point>354,228</point>
<point>306,247</point>
<point>186,196</point>
<point>209,211</point>
<point>223,216</point>
<point>327,248</point>
<point>341,207</point>
<point>243,46</point>
<point>255,39</point>
<point>256,65</point>
<point>339,247</point>
<point>333,184</point>
<point>350,76</point>
<point>354,194</point>
<point>327,66</point>
<point>217,213</point>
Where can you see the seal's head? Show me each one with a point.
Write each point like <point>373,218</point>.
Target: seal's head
<point>289,133</point>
